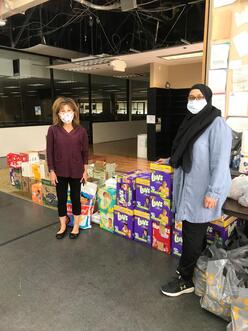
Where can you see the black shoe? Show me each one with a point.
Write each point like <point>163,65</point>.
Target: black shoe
<point>74,235</point>
<point>61,235</point>
<point>177,287</point>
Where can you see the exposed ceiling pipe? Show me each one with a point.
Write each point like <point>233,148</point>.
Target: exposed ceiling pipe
<point>115,5</point>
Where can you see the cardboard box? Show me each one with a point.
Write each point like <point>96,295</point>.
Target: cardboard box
<point>17,178</point>
<point>161,237</point>
<point>42,155</point>
<point>224,221</point>
<point>126,188</point>
<point>44,172</point>
<point>142,227</point>
<point>160,210</point>
<point>49,194</point>
<point>123,222</point>
<point>37,193</point>
<point>11,176</point>
<point>161,180</point>
<point>177,243</point>
<point>219,234</point>
<point>14,160</point>
<point>36,171</point>
<point>27,170</point>
<point>143,191</point>
<point>106,198</point>
<point>107,221</point>
<point>25,184</point>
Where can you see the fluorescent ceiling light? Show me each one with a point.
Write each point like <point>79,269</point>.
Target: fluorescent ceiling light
<point>112,90</point>
<point>36,84</point>
<point>182,56</point>
<point>79,88</point>
<point>4,96</point>
<point>31,91</point>
<point>15,92</point>
<point>11,87</point>
<point>66,81</point>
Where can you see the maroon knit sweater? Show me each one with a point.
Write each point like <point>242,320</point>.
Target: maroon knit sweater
<point>67,153</point>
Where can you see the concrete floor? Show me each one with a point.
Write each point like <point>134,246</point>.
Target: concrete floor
<point>98,282</point>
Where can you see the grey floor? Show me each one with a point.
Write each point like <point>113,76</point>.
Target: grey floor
<point>98,282</point>
<point>127,147</point>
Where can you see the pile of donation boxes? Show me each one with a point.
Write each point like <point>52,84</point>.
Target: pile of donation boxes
<point>135,205</point>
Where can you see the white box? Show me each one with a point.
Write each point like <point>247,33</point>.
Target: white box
<point>142,146</point>
<point>27,169</point>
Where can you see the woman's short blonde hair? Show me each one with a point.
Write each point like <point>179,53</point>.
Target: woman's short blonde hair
<point>61,102</point>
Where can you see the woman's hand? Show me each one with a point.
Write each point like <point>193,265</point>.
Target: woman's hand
<point>210,202</point>
<point>84,178</point>
<point>53,178</point>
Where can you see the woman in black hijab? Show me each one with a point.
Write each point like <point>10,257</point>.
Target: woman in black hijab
<point>200,156</point>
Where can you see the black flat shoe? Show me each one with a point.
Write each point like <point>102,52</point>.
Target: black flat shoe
<point>63,234</point>
<point>74,235</point>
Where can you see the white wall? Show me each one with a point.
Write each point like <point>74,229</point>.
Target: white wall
<point>21,139</point>
<point>112,131</point>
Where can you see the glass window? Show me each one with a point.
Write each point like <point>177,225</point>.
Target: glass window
<point>139,98</point>
<point>109,98</point>
<point>25,91</point>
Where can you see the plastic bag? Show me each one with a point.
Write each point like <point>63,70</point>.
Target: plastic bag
<point>239,308</point>
<point>239,187</point>
<point>213,253</point>
<point>222,285</point>
<point>243,200</point>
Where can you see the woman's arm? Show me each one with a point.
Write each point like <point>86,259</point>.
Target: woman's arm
<point>220,142</point>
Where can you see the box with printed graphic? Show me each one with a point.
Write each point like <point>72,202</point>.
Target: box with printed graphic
<point>143,191</point>
<point>126,189</point>
<point>123,222</point>
<point>160,210</point>
<point>177,243</point>
<point>218,234</point>
<point>142,227</point>
<point>107,221</point>
<point>161,180</point>
<point>106,198</point>
<point>25,184</point>
<point>17,178</point>
<point>49,194</point>
<point>37,193</point>
<point>161,237</point>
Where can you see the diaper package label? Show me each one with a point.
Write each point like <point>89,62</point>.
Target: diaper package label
<point>123,222</point>
<point>177,243</point>
<point>143,191</point>
<point>106,198</point>
<point>107,221</point>
<point>160,210</point>
<point>161,237</point>
<point>218,234</point>
<point>142,227</point>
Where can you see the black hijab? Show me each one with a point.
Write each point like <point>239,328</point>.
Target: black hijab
<point>192,128</point>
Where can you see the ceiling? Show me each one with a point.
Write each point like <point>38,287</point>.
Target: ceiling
<point>138,64</point>
<point>67,24</point>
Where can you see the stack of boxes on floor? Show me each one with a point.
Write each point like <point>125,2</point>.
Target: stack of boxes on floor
<point>29,173</point>
<point>143,210</point>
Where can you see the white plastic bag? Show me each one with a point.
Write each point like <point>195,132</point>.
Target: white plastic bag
<point>239,187</point>
<point>243,200</point>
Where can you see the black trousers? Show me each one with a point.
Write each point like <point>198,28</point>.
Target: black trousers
<point>194,242</point>
<point>62,188</point>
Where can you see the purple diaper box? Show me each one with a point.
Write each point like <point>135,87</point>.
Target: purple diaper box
<point>219,234</point>
<point>143,191</point>
<point>161,180</point>
<point>177,243</point>
<point>123,222</point>
<point>142,227</point>
<point>126,188</point>
<point>160,210</point>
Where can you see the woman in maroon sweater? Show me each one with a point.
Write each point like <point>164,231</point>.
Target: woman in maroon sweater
<point>67,154</point>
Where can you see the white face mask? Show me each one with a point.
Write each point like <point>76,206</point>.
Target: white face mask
<point>195,106</point>
<point>66,117</point>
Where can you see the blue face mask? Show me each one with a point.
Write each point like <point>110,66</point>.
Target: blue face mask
<point>195,106</point>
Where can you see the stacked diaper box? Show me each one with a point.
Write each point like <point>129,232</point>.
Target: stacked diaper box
<point>133,190</point>
<point>219,231</point>
<point>177,239</point>
<point>106,198</point>
<point>160,206</point>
